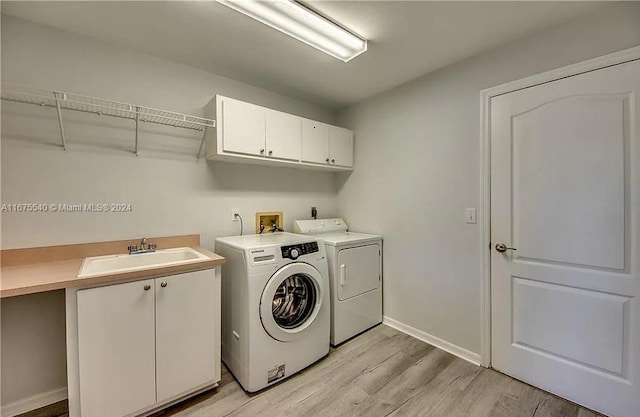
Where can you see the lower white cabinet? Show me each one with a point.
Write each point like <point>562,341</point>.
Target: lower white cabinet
<point>186,336</point>
<point>116,344</point>
<point>135,347</point>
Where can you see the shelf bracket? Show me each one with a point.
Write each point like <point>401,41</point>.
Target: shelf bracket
<point>58,98</point>
<point>204,134</point>
<point>137,123</point>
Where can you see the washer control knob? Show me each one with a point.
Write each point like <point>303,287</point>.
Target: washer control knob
<point>294,253</point>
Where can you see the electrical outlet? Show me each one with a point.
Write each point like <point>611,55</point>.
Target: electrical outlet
<point>235,215</point>
<point>471,215</point>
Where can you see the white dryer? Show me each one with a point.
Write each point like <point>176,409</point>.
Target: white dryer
<point>275,306</point>
<point>355,272</point>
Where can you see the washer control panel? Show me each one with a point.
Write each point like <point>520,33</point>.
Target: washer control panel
<point>294,251</point>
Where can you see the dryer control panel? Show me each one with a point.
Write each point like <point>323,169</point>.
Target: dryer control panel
<point>319,226</point>
<point>294,251</point>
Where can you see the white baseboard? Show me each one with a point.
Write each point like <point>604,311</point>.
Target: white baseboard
<point>433,340</point>
<point>34,402</point>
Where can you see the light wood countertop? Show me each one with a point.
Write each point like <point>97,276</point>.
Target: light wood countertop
<point>25,272</point>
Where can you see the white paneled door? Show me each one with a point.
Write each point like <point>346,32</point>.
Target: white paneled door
<point>565,236</point>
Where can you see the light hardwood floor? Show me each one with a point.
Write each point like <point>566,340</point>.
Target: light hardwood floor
<point>383,373</point>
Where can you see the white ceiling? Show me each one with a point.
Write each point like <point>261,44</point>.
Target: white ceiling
<point>406,39</point>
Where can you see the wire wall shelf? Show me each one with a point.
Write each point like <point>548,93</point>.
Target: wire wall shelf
<point>75,102</point>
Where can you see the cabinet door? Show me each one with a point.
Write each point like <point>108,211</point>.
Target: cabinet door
<point>283,135</point>
<point>243,127</point>
<point>116,345</point>
<point>187,332</point>
<point>341,146</point>
<point>315,142</point>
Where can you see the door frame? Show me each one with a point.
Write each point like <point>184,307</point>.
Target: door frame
<point>620,57</point>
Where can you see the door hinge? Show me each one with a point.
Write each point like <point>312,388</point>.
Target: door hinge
<point>489,245</point>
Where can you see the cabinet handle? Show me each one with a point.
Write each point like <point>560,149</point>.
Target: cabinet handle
<point>270,152</point>
<point>147,287</point>
<point>333,161</point>
<point>261,150</point>
<point>163,284</point>
<point>327,159</point>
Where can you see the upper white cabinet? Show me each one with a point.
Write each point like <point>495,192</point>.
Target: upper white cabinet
<point>282,135</point>
<point>340,146</point>
<point>315,142</point>
<point>254,134</point>
<point>326,144</point>
<point>243,128</point>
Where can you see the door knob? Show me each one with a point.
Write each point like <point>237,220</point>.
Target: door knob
<point>163,284</point>
<point>147,287</point>
<point>501,247</point>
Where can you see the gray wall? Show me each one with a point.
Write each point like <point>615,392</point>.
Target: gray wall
<point>417,169</point>
<point>171,193</point>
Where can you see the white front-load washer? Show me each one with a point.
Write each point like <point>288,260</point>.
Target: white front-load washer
<point>275,306</point>
<point>355,274</point>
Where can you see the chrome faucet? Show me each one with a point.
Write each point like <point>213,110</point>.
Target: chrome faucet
<point>133,249</point>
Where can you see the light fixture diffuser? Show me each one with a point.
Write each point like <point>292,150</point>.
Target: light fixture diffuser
<point>303,24</point>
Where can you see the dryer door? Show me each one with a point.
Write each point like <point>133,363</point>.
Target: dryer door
<point>291,301</point>
<point>358,271</point>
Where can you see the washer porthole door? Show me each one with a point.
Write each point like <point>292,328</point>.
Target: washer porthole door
<point>291,301</point>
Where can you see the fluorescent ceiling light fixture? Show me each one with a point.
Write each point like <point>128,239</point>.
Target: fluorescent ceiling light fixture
<point>301,23</point>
